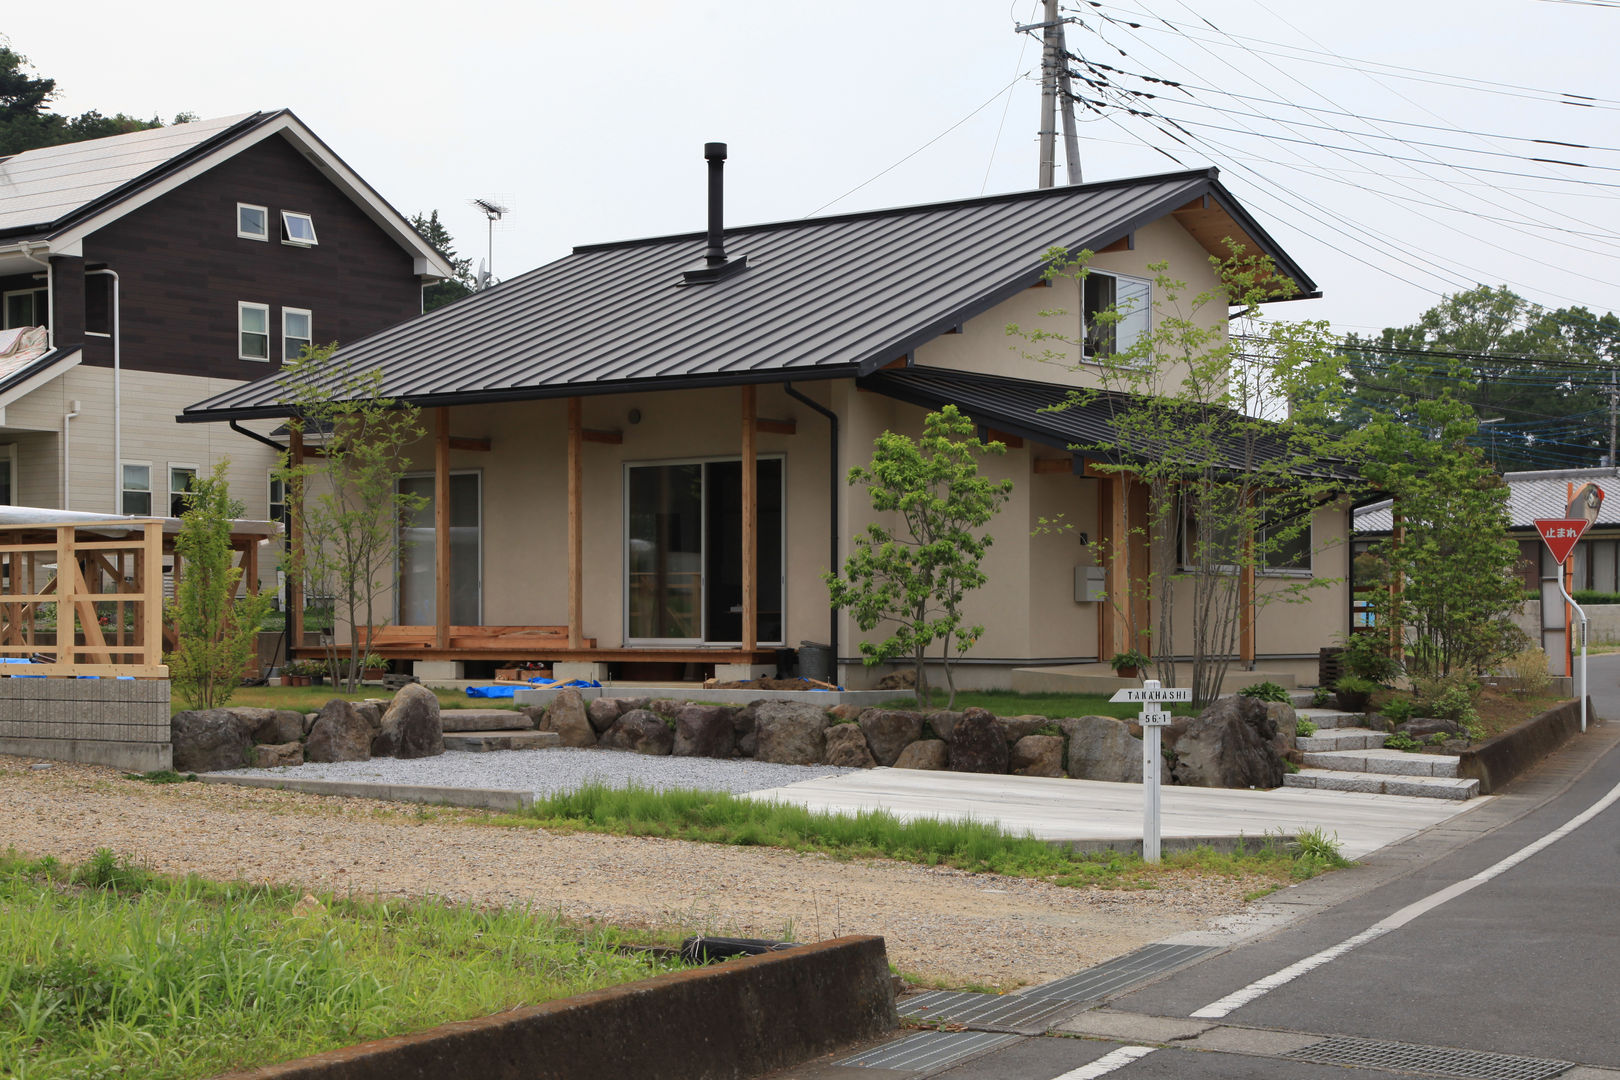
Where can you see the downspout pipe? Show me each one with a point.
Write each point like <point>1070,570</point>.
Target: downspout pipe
<point>118,395</point>
<point>256,437</point>
<point>832,504</point>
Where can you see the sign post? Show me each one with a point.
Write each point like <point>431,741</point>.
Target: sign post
<point>1561,535</point>
<point>1153,718</point>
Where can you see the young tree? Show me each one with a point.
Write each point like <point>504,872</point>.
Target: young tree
<point>1455,567</point>
<point>440,293</point>
<point>1220,416</point>
<point>917,577</point>
<point>347,501</point>
<point>217,630</point>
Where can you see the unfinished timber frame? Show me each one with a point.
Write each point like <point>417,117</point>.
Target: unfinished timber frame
<point>76,568</point>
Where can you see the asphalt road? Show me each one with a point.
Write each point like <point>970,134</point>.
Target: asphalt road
<point>1525,963</point>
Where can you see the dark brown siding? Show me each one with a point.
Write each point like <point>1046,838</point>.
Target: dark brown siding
<point>67,293</point>
<point>183,268</point>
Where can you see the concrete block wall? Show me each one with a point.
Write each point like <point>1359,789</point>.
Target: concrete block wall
<point>118,722</point>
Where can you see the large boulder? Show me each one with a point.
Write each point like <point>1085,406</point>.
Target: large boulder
<point>272,725</point>
<point>1421,727</point>
<point>889,731</point>
<point>1102,748</point>
<point>641,731</point>
<point>1037,755</point>
<point>1016,727</point>
<point>276,756</point>
<point>978,743</point>
<point>208,740</point>
<point>943,722</point>
<point>342,732</point>
<point>790,732</point>
<point>846,747</point>
<point>567,718</point>
<point>924,754</point>
<point>1283,715</point>
<point>411,728</point>
<point>1231,744</point>
<point>704,731</point>
<point>603,711</point>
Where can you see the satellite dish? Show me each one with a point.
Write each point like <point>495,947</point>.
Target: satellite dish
<point>481,282</point>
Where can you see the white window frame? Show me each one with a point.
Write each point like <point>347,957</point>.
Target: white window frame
<point>288,336</point>
<point>287,218</point>
<point>8,462</point>
<point>270,500</point>
<point>243,306</point>
<point>124,489</point>
<point>5,305</point>
<point>1087,354</point>
<point>1306,571</point>
<point>263,234</point>
<point>196,471</point>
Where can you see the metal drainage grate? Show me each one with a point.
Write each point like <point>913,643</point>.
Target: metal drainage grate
<point>1120,973</point>
<point>991,1012</point>
<point>928,1050</point>
<point>1430,1060</point>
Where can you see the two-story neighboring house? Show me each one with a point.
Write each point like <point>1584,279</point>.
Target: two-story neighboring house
<point>168,265</point>
<point>638,453</point>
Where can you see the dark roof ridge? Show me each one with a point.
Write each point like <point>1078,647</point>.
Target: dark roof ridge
<point>1210,173</point>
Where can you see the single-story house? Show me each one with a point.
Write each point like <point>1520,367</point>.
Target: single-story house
<point>636,454</point>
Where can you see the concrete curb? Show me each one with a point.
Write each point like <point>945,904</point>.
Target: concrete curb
<point>474,798</point>
<point>1496,761</point>
<point>739,1018</point>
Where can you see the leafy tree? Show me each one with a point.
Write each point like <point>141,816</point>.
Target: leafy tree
<point>217,630</point>
<point>1456,566</point>
<point>440,293</point>
<point>346,501</point>
<point>27,124</point>
<point>1227,433</point>
<point>1541,377</point>
<point>918,575</point>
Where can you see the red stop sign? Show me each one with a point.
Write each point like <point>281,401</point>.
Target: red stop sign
<point>1560,535</point>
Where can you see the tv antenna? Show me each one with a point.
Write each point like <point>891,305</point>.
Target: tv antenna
<point>494,211</point>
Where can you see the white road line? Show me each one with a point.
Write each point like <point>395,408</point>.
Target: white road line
<point>1215,1010</point>
<point>1115,1059</point>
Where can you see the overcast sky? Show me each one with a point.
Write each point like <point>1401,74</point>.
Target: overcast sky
<point>588,119</point>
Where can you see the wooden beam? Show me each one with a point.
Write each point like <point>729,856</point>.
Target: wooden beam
<point>596,435</point>
<point>1124,243</point>
<point>1397,583</point>
<point>896,364</point>
<point>1012,442</point>
<point>1051,465</point>
<point>1246,604</point>
<point>1139,554</point>
<point>1111,554</point>
<point>441,528</point>
<point>776,427</point>
<point>750,520</point>
<point>65,578</point>
<point>468,442</point>
<point>576,523</point>
<point>295,539</point>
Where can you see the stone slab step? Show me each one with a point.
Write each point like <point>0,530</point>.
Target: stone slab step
<point>478,742</point>
<point>1331,718</point>
<point>1386,762</point>
<point>1344,738</point>
<point>1424,787</point>
<point>484,720</point>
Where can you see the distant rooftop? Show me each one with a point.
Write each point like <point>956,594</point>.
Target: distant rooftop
<point>1531,495</point>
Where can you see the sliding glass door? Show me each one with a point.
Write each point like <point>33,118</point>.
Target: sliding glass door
<point>683,566</point>
<point>418,599</point>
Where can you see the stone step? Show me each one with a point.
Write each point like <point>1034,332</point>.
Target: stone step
<point>484,720</point>
<point>1344,738</point>
<point>1331,718</point>
<point>477,742</point>
<point>1424,787</point>
<point>1385,762</point>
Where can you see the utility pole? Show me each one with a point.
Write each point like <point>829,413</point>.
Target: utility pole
<point>1051,34</point>
<point>1071,138</point>
<point>1614,398</point>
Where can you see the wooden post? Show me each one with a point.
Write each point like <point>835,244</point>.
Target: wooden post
<point>295,542</point>
<point>1111,522</point>
<point>65,606</point>
<point>152,595</point>
<point>1246,605</point>
<point>441,529</point>
<point>1397,582</point>
<point>1138,545</point>
<point>750,522</point>
<point>1568,570</point>
<point>576,543</point>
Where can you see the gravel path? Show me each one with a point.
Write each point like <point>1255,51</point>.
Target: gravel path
<point>951,925</point>
<point>547,772</point>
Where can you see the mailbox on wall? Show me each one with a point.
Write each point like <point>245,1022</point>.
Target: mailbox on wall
<point>1090,585</point>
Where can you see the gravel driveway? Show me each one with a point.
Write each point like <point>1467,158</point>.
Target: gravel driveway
<point>943,923</point>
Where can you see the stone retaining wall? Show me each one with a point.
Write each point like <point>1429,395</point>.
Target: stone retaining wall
<point>1496,761</point>
<point>123,723</point>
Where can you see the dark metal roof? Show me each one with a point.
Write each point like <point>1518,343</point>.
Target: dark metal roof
<point>820,298</point>
<point>1542,493</point>
<point>1085,426</point>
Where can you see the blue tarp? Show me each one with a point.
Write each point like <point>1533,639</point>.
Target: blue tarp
<point>490,691</point>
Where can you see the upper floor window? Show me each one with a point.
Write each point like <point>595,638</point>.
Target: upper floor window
<point>252,222</point>
<point>136,497</point>
<point>182,479</point>
<point>27,307</point>
<point>252,331</point>
<point>296,332</point>
<point>297,228</point>
<point>1131,298</point>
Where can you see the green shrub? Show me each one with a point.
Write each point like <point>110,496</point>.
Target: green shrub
<point>1265,691</point>
<point>1452,698</point>
<point>1593,596</point>
<point>1354,684</point>
<point>1399,710</point>
<point>1368,656</point>
<point>1401,741</point>
<point>1321,698</point>
<point>1303,728</point>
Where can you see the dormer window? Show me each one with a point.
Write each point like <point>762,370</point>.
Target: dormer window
<point>297,228</point>
<point>252,222</point>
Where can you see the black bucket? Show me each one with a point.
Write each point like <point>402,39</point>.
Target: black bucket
<point>816,661</point>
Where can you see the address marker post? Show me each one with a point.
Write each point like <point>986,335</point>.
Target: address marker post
<point>1153,718</point>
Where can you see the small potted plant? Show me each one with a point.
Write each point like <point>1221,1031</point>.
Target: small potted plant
<point>1129,664</point>
<point>317,672</point>
<point>375,666</point>
<point>1352,693</point>
<point>295,673</point>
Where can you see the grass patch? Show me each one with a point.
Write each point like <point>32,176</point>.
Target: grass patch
<point>311,698</point>
<point>1052,706</point>
<point>721,818</point>
<point>110,970</point>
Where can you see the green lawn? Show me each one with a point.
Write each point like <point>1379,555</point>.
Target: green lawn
<point>1056,706</point>
<point>108,970</point>
<point>311,698</point>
